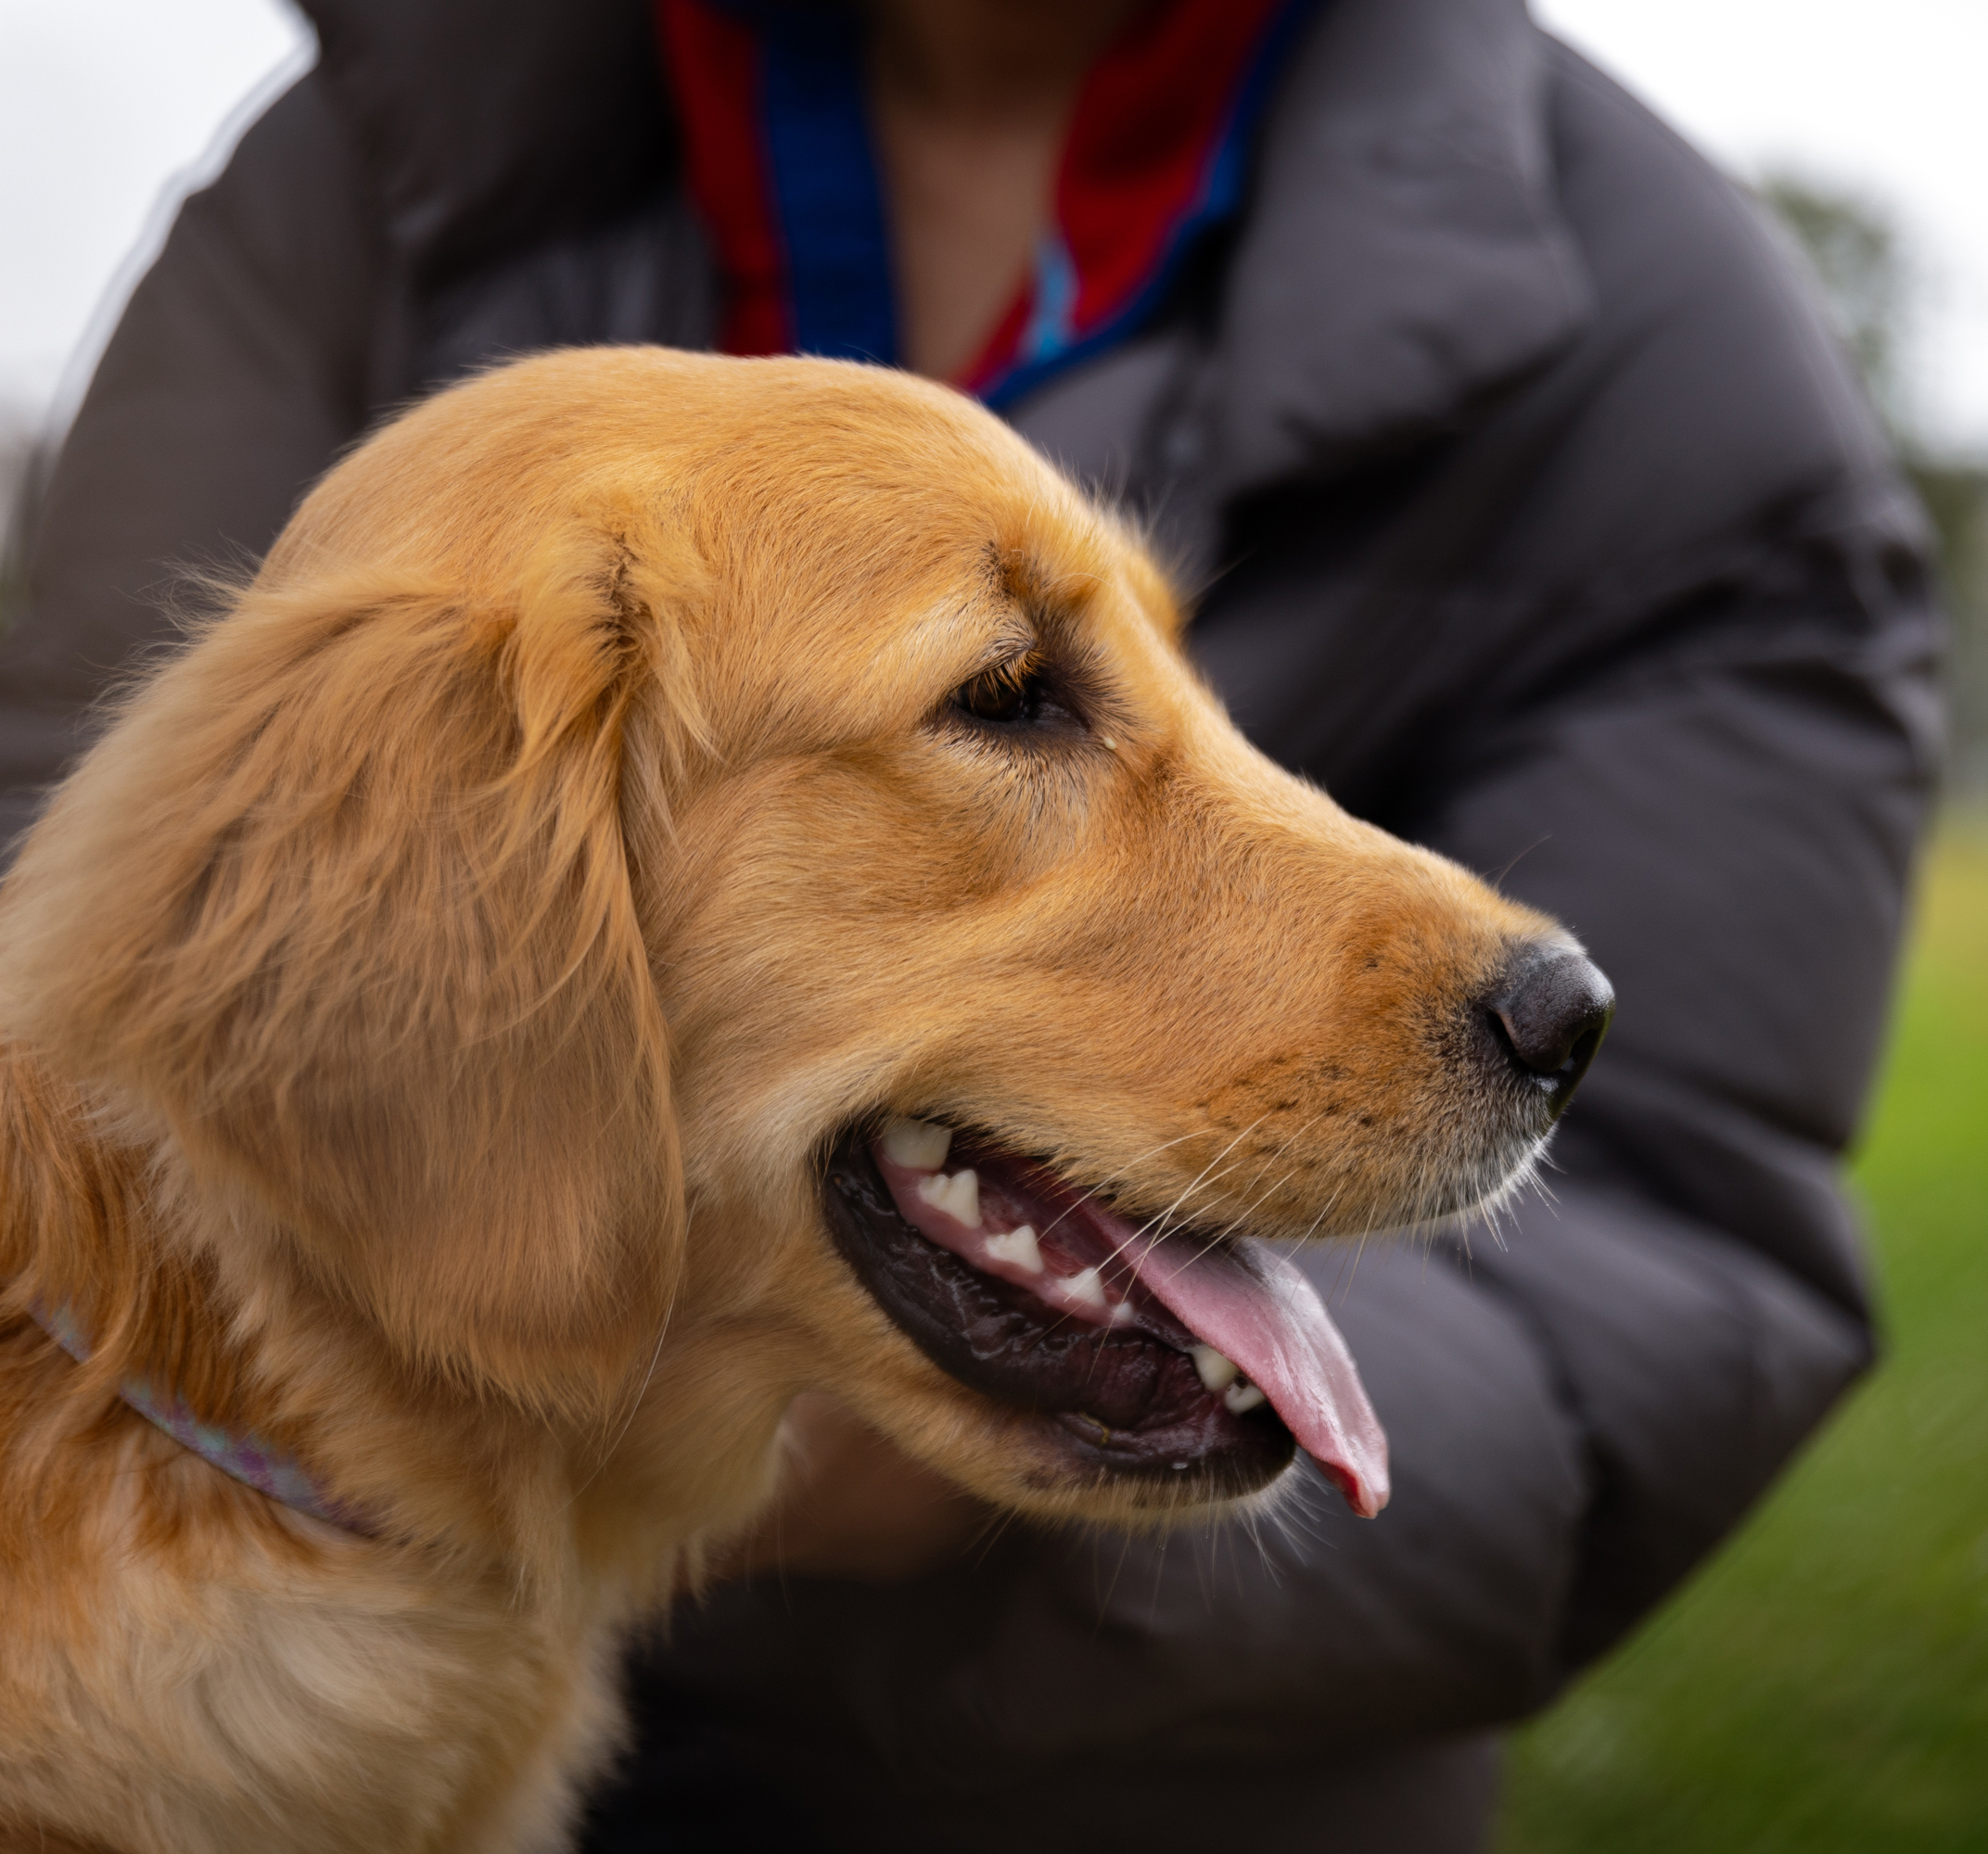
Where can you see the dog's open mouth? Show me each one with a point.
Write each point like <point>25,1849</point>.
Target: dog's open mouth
<point>1160,1353</point>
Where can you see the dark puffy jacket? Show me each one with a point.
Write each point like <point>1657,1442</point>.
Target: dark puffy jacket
<point>1539,520</point>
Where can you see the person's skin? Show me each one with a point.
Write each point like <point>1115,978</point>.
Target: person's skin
<point>969,100</point>
<point>853,1505</point>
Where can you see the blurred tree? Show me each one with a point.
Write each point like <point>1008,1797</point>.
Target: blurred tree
<point>1956,498</point>
<point>20,475</point>
<point>1855,249</point>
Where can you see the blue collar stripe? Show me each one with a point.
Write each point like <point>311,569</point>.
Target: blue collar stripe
<point>831,201</point>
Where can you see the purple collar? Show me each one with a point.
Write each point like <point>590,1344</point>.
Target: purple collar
<point>248,1458</point>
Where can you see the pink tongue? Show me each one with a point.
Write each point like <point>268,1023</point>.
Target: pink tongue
<point>1267,1318</point>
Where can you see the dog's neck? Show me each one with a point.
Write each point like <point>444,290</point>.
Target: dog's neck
<point>93,1269</point>
<point>102,1227</point>
<point>249,1458</point>
<point>94,1250</point>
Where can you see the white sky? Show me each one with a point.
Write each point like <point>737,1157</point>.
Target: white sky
<point>1888,98</point>
<point>107,105</point>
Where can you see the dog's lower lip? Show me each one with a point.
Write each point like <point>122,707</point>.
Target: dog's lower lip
<point>1120,1399</point>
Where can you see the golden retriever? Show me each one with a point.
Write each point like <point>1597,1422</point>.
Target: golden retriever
<point>681,882</point>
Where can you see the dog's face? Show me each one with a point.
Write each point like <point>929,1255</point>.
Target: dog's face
<point>741,839</point>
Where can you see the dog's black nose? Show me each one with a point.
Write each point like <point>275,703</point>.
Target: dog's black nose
<point>1551,1019</point>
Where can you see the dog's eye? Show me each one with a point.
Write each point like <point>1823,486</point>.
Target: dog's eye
<point>1016,691</point>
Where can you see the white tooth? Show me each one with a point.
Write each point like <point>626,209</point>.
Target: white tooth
<point>1087,1288</point>
<point>958,1196</point>
<point>1216,1372</point>
<point>1121,1312</point>
<point>1242,1397</point>
<point>918,1145</point>
<point>1019,1247</point>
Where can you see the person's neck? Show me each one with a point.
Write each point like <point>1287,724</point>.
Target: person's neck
<point>971,99</point>
<point>989,62</point>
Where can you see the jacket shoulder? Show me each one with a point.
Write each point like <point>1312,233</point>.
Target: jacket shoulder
<point>1711,399</point>
<point>490,125</point>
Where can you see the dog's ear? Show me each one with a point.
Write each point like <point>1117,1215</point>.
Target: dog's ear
<point>345,899</point>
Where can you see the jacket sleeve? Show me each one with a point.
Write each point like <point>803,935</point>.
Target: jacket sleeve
<point>1731,837</point>
<point>236,375</point>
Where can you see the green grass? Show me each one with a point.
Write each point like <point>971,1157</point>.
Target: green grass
<point>1822,1687</point>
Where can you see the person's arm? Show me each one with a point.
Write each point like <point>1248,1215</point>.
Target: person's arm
<point>238,372</point>
<point>1731,834</point>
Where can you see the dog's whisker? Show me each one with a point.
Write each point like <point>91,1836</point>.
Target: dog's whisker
<point>635,1398</point>
<point>1194,1183</point>
<point>1091,1193</point>
<point>1160,1226</point>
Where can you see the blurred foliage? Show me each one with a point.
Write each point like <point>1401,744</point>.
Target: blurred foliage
<point>1822,1688</point>
<point>1858,257</point>
<point>20,475</point>
<point>1854,249</point>
<point>1956,498</point>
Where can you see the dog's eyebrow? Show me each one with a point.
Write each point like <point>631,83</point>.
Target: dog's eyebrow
<point>1014,638</point>
<point>1053,601</point>
<point>1005,611</point>
<point>1027,609</point>
<point>1024,581</point>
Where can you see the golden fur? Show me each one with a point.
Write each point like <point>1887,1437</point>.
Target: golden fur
<point>429,1005</point>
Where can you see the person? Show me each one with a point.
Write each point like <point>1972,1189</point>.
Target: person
<point>1530,508</point>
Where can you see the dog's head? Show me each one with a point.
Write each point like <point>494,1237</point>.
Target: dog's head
<point>732,851</point>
